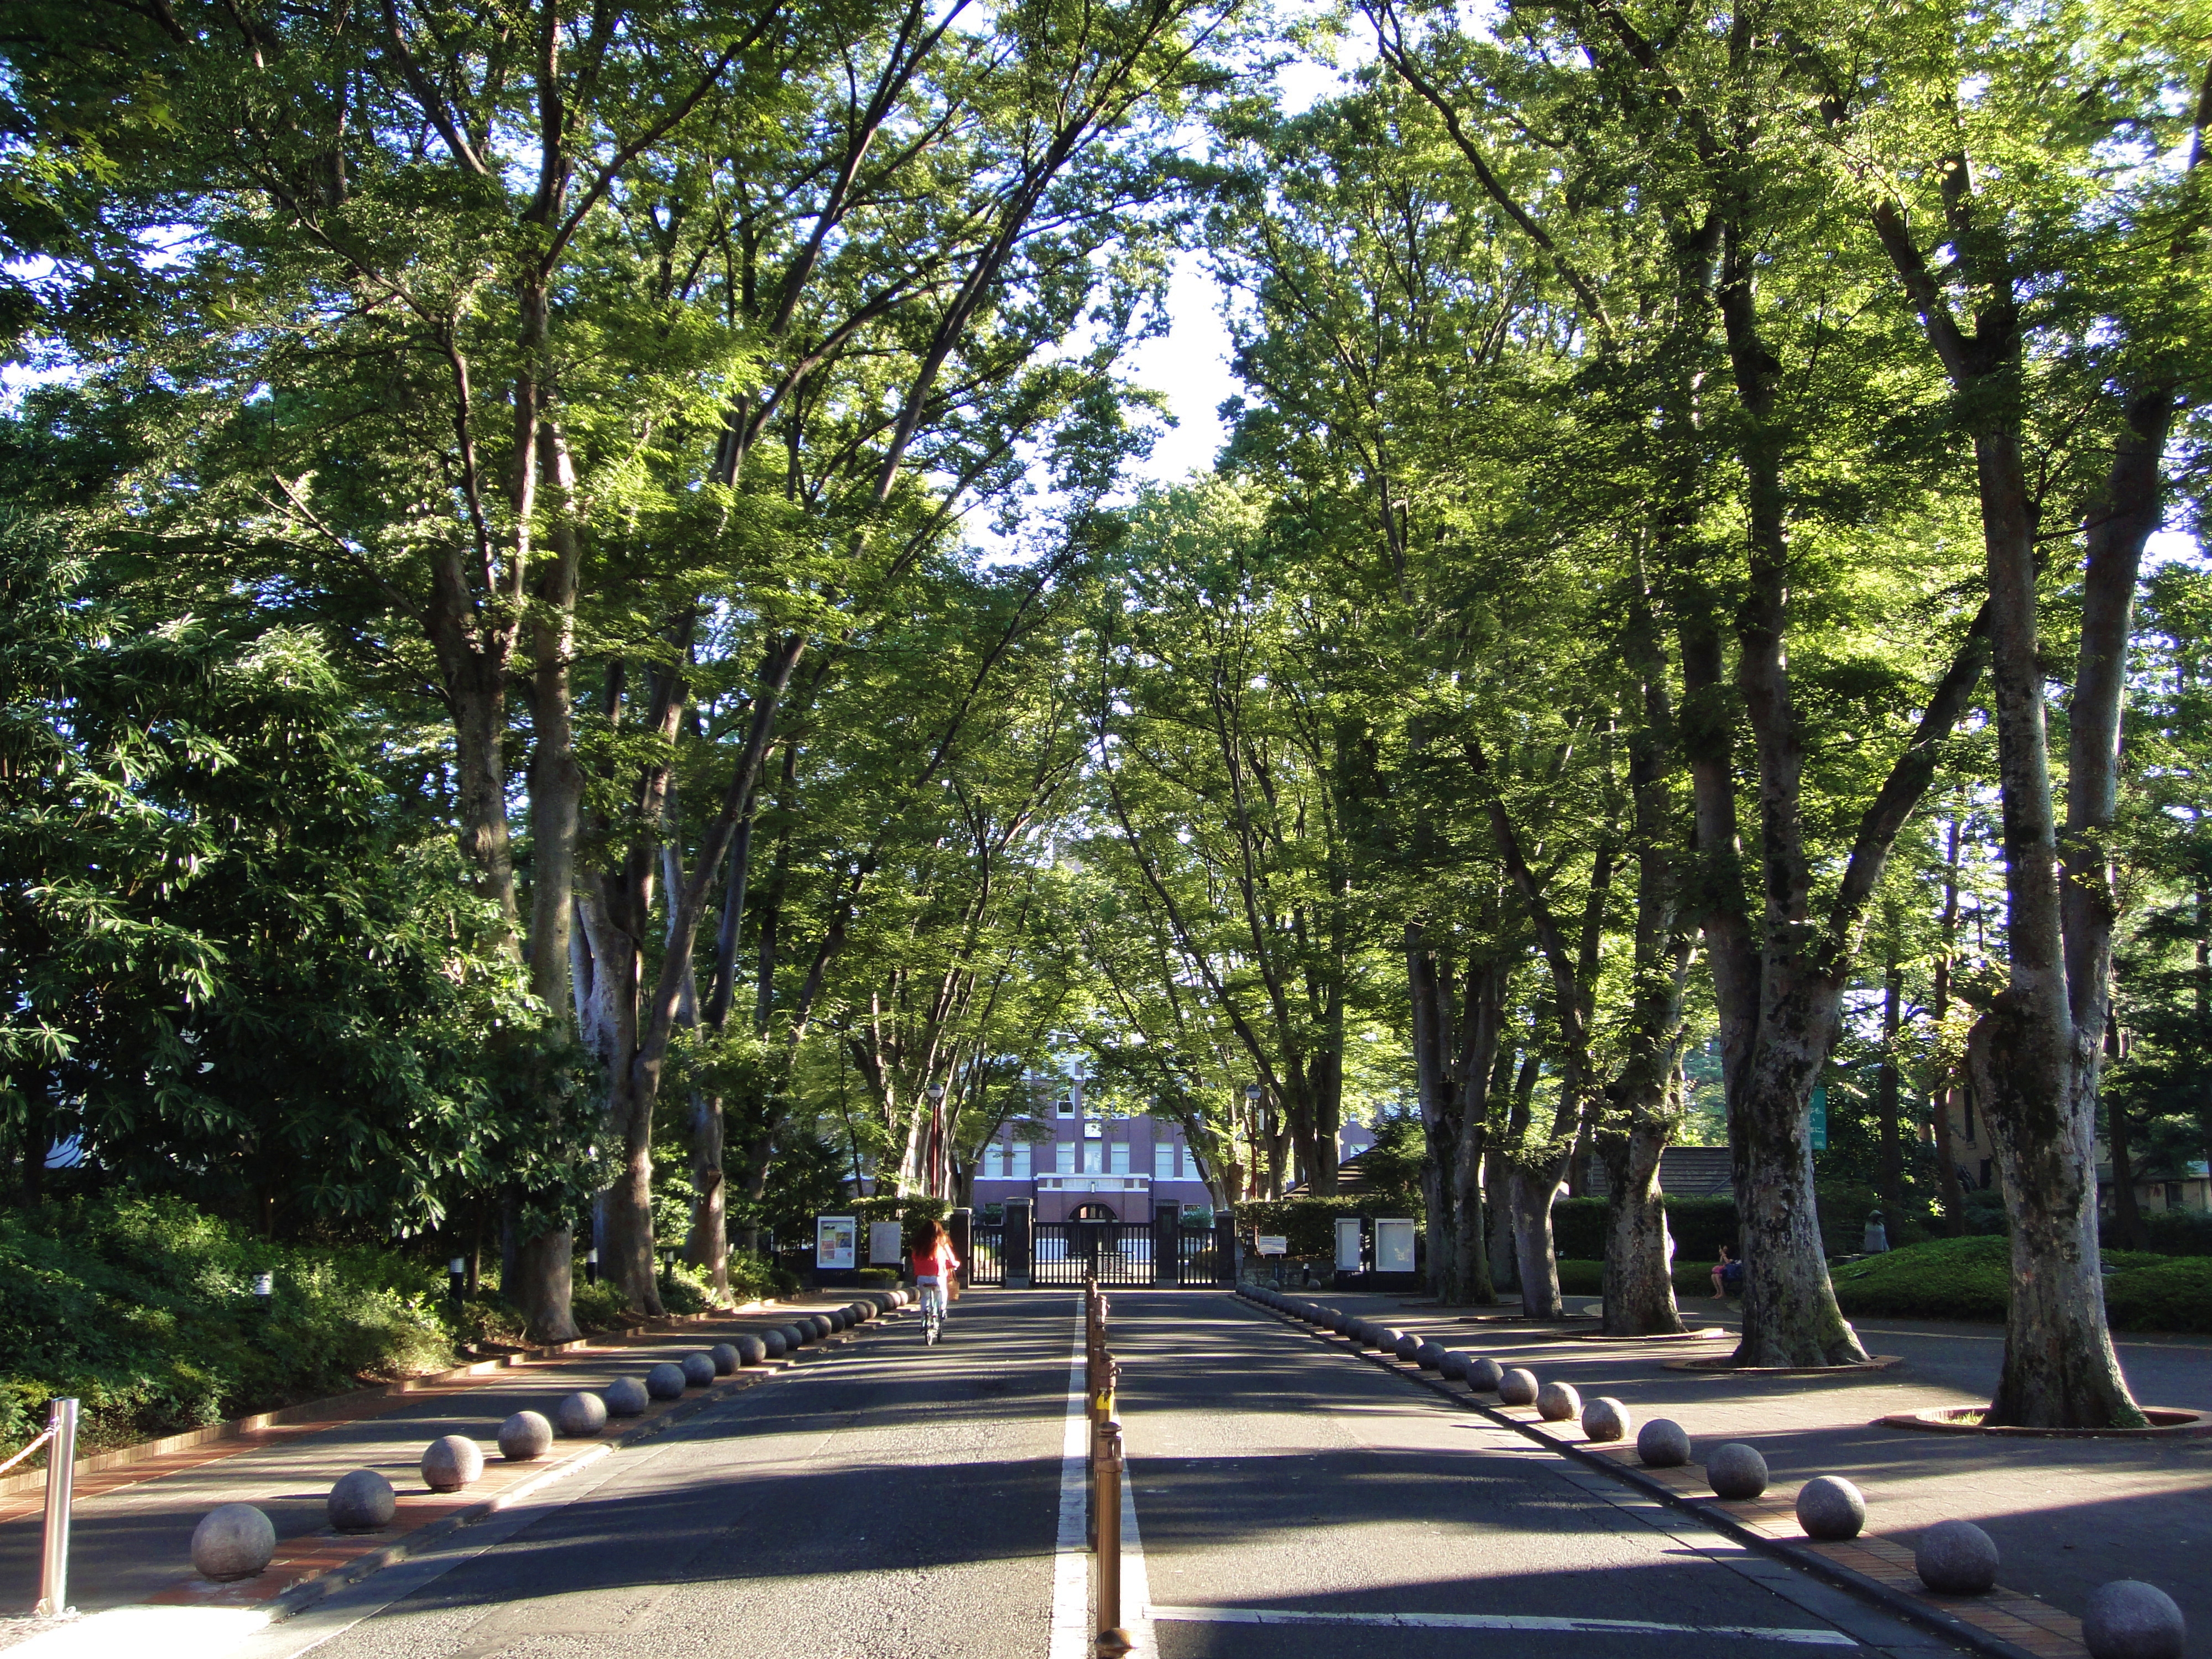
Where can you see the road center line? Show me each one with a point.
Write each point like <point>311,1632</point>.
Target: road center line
<point>1817,1638</point>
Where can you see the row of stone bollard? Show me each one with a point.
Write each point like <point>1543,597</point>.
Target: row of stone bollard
<point>239,1540</point>
<point>2125,1619</point>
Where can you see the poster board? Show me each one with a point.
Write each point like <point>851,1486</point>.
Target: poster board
<point>1350,1255</point>
<point>886,1244</point>
<point>836,1243</point>
<point>1274,1244</point>
<point>1393,1245</point>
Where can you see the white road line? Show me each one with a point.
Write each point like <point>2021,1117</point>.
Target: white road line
<point>1072,1635</point>
<point>1817,1638</point>
<point>1136,1587</point>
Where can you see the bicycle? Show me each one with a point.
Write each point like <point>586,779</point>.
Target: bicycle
<point>933,1312</point>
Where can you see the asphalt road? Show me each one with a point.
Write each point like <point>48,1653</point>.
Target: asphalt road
<point>905,1502</point>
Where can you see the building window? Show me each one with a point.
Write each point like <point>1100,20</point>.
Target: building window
<point>2173,1195</point>
<point>994,1161</point>
<point>1063,1158</point>
<point>1065,1109</point>
<point>1094,1157</point>
<point>1018,1161</point>
<point>1117,1153</point>
<point>1163,1160</point>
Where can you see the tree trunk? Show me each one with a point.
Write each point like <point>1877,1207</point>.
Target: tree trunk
<point>1945,1107</point>
<point>1885,1086</point>
<point>707,1246</point>
<point>1790,1313</point>
<point>1639,1252</point>
<point>2127,1213</point>
<point>1532,1189</point>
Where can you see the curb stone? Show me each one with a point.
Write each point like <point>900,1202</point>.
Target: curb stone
<point>1901,1603</point>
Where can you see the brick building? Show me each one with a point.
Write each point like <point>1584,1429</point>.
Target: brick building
<point>1076,1166</point>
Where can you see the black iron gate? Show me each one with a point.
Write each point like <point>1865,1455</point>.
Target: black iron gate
<point>1128,1254</point>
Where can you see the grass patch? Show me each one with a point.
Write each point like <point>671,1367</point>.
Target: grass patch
<point>1971,1278</point>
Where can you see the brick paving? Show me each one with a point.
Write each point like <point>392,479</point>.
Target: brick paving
<point>2067,1514</point>
<point>132,1520</point>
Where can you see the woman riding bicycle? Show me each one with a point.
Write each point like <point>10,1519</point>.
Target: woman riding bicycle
<point>934,1264</point>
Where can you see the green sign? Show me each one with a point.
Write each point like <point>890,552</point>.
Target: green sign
<point>1820,1117</point>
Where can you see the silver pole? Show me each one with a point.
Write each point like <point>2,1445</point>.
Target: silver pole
<point>61,1468</point>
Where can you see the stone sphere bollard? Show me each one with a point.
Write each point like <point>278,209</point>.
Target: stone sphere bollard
<point>862,1312</point>
<point>1663,1443</point>
<point>822,1327</point>
<point>1429,1356</point>
<point>1830,1508</point>
<point>581,1414</point>
<point>699,1369</point>
<point>1956,1556</point>
<point>724,1356</point>
<point>1454,1365</point>
<point>750,1349</point>
<point>795,1338</point>
<point>1406,1345</point>
<point>525,1436</point>
<point>1387,1337</point>
<point>1484,1375</point>
<point>666,1382</point>
<point>1735,1472</point>
<point>451,1462</point>
<point>2127,1618</point>
<point>1341,1323</point>
<point>234,1541</point>
<point>837,1319</point>
<point>773,1347</point>
<point>1606,1419</point>
<point>1559,1403</point>
<point>362,1501</point>
<point>1516,1387</point>
<point>626,1397</point>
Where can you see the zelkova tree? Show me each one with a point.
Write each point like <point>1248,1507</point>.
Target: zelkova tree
<point>1740,327</point>
<point>1985,183</point>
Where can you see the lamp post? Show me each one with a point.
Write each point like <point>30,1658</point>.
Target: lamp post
<point>1254,1130</point>
<point>938,1154</point>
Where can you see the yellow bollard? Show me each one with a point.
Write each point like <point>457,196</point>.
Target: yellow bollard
<point>1113,1640</point>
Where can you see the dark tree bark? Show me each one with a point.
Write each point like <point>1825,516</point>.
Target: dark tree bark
<point>1886,1085</point>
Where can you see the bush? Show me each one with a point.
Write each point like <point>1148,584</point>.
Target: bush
<point>1972,1278</point>
<point>754,1277</point>
<point>1578,1278</point>
<point>1700,1225</point>
<point>143,1308</point>
<point>1309,1224</point>
<point>2170,1232</point>
<point>685,1290</point>
<point>601,1307</point>
<point>2170,1294</point>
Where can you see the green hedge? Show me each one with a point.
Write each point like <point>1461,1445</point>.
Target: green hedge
<point>1700,1226</point>
<point>2170,1232</point>
<point>1971,1278</point>
<point>143,1308</point>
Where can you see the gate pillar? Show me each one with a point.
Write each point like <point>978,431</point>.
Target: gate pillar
<point>1224,1244</point>
<point>1016,1250</point>
<point>960,1224</point>
<point>1167,1245</point>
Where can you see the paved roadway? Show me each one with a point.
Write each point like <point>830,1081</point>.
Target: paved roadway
<point>903,1503</point>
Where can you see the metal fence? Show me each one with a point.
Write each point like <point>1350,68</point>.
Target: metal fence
<point>986,1254</point>
<point>1116,1254</point>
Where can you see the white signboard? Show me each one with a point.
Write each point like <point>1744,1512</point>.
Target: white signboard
<point>1274,1244</point>
<point>1393,1246</point>
<point>836,1241</point>
<point>1347,1245</point>
<point>886,1244</point>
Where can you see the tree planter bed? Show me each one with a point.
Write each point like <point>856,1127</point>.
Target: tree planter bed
<point>2165,1420</point>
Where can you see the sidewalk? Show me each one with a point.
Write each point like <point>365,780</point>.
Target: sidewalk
<point>132,1539</point>
<point>2067,1515</point>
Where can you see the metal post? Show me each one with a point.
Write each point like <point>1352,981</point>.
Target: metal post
<point>61,1470</point>
<point>1113,1640</point>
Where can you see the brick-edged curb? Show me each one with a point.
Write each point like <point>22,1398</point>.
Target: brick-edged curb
<point>346,1567</point>
<point>355,1405</point>
<point>2055,1635</point>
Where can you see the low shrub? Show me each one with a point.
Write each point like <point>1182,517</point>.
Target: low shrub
<point>685,1290</point>
<point>2168,1232</point>
<point>1971,1278</point>
<point>1579,1278</point>
<point>2172,1293</point>
<point>143,1308</point>
<point>599,1307</point>
<point>1699,1225</point>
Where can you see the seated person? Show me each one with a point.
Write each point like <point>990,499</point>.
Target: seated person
<point>1727,1275</point>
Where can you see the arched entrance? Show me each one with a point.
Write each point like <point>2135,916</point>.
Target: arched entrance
<point>1092,1212</point>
